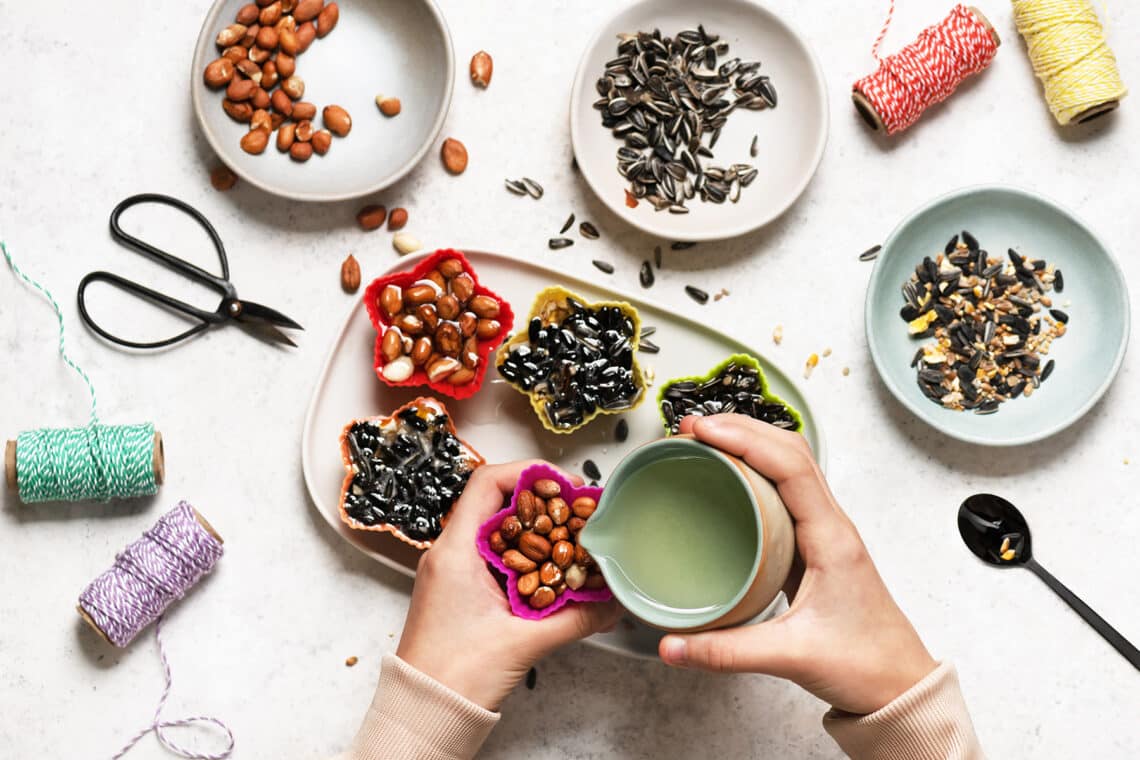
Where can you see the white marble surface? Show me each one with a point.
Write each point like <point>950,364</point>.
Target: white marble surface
<point>95,107</point>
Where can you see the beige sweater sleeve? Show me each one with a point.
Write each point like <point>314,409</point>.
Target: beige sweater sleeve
<point>927,722</point>
<point>414,717</point>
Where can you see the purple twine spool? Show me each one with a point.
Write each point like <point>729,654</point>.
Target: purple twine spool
<point>147,577</point>
<point>150,574</point>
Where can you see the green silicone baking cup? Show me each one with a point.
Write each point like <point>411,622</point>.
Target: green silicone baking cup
<point>744,359</point>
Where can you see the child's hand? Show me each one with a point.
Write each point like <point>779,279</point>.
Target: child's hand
<point>843,639</point>
<point>460,629</point>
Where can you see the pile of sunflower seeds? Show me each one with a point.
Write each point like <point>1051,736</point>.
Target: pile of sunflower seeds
<point>580,363</point>
<point>991,321</point>
<point>663,96</point>
<point>409,471</point>
<point>736,388</point>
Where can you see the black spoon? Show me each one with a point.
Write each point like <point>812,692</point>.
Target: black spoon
<point>997,534</point>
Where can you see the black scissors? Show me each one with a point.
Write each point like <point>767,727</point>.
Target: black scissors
<point>262,318</point>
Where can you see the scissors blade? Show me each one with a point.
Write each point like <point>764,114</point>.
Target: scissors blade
<point>266,332</point>
<point>255,311</point>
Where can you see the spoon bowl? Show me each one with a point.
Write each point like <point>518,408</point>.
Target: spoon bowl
<point>994,530</point>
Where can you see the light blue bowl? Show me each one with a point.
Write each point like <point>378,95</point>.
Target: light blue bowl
<point>1087,356</point>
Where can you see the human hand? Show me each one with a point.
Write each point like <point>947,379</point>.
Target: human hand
<point>843,638</point>
<point>460,629</point>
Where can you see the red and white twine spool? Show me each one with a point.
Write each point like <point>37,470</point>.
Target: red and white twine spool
<point>926,71</point>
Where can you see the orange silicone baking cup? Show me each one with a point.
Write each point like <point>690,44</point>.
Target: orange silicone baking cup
<point>435,406</point>
<point>404,280</point>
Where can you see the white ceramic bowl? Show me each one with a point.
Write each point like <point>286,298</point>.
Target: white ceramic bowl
<point>400,48</point>
<point>792,135</point>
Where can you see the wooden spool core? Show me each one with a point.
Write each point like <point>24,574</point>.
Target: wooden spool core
<point>1096,112</point>
<point>868,112</point>
<point>158,462</point>
<point>87,618</point>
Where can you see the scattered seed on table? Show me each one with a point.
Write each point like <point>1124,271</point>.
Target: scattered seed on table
<point>646,274</point>
<point>556,243</point>
<point>647,331</point>
<point>754,149</point>
<point>810,364</point>
<point>681,245</point>
<point>604,266</point>
<point>532,678</point>
<point>588,231</point>
<point>515,186</point>
<point>533,188</point>
<point>649,347</point>
<point>621,432</point>
<point>569,223</point>
<point>826,352</point>
<point>590,469</point>
<point>722,293</point>
<point>871,253</point>
<point>350,661</point>
<point>778,335</point>
<point>657,256</point>
<point>846,371</point>
<point>697,294</point>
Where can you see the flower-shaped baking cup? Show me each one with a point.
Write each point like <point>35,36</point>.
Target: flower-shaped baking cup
<point>436,325</point>
<point>404,471</point>
<point>570,492</point>
<point>735,385</point>
<point>576,360</point>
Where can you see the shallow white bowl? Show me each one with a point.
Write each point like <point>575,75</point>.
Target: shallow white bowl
<point>792,135</point>
<point>400,48</point>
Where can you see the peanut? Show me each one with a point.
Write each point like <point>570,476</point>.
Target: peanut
<point>247,14</point>
<point>396,221</point>
<point>543,597</point>
<point>327,18</point>
<point>388,106</point>
<point>534,546</point>
<point>307,10</point>
<point>454,156</point>
<point>300,151</point>
<point>285,137</point>
<point>350,276</point>
<point>529,583</point>
<point>337,120</point>
<point>281,103</point>
<point>481,68</point>
<point>371,218</point>
<point>231,35</point>
<point>222,178</point>
<point>218,73</point>
<point>517,561</point>
<point>294,87</point>
<point>322,141</point>
<point>255,140</point>
<point>242,112</point>
<point>547,488</point>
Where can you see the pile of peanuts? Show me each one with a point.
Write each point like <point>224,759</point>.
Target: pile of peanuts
<point>259,54</point>
<point>539,542</point>
<point>436,325</point>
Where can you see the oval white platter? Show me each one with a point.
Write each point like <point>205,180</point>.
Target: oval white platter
<point>498,421</point>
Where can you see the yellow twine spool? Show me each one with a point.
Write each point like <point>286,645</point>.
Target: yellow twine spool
<point>1071,57</point>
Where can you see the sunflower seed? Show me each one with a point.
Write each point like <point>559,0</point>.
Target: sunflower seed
<point>604,266</point>
<point>561,242</point>
<point>588,231</point>
<point>871,253</point>
<point>1059,315</point>
<point>680,246</point>
<point>590,470</point>
<point>515,187</point>
<point>533,188</point>
<point>697,294</point>
<point>621,432</point>
<point>755,147</point>
<point>567,225</point>
<point>657,256</point>
<point>1058,281</point>
<point>649,347</point>
<point>646,274</point>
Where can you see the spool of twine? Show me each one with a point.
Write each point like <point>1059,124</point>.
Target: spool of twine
<point>148,576</point>
<point>1071,57</point>
<point>926,71</point>
<point>92,462</point>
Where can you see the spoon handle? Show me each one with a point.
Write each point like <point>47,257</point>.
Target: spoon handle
<point>1110,634</point>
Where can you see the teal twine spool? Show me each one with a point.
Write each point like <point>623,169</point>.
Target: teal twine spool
<point>75,464</point>
<point>96,462</point>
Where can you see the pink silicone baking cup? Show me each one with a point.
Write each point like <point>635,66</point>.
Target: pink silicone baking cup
<point>519,605</point>
<point>419,377</point>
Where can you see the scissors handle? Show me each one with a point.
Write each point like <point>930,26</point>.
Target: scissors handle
<point>221,284</point>
<point>204,318</point>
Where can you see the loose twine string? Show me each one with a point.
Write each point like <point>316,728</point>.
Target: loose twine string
<point>148,576</point>
<point>92,462</point>
<point>927,70</point>
<point>1070,55</point>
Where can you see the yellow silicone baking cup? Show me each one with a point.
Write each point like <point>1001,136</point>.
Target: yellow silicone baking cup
<point>552,306</point>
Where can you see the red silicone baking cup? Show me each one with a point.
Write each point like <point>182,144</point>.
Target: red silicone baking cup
<point>519,605</point>
<point>436,406</point>
<point>404,280</point>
